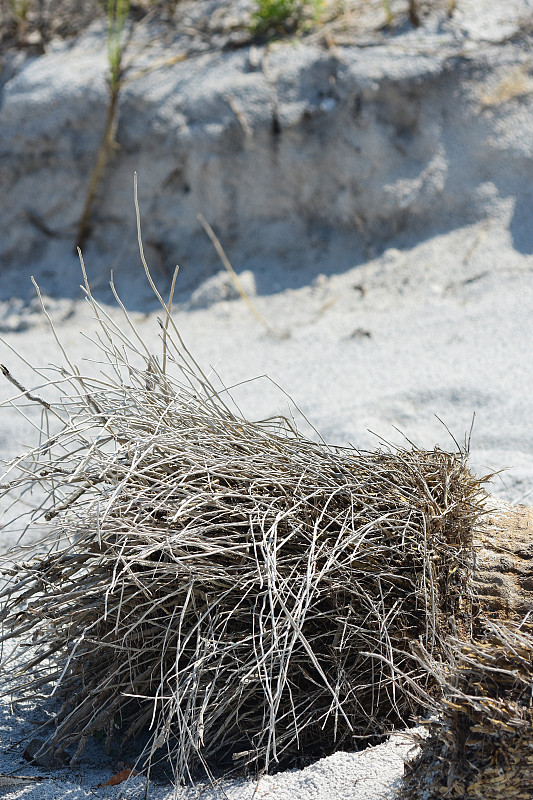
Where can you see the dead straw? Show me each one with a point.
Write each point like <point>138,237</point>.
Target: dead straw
<point>480,742</point>
<point>247,596</point>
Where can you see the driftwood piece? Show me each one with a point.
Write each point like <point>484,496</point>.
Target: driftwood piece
<point>504,560</point>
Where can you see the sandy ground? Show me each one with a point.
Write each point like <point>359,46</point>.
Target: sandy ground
<point>412,343</point>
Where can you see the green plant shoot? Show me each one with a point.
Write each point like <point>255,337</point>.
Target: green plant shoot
<point>117,14</point>
<point>283,15</point>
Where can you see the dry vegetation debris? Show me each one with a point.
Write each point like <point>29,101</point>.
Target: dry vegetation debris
<point>481,744</point>
<point>34,23</point>
<point>249,596</point>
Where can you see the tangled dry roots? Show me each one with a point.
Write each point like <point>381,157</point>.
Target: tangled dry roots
<point>247,595</point>
<point>481,745</point>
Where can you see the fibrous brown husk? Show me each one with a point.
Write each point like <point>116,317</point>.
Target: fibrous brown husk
<point>481,744</point>
<point>247,595</point>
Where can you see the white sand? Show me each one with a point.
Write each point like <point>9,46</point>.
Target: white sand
<point>438,327</point>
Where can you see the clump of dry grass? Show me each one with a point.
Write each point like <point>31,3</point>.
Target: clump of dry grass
<point>247,595</point>
<point>481,744</point>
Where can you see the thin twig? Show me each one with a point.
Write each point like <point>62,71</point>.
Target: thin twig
<point>24,391</point>
<point>233,275</point>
